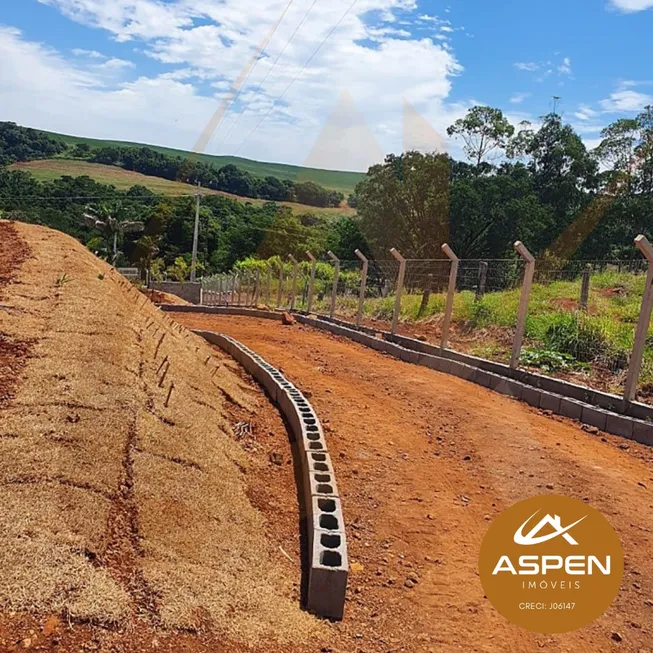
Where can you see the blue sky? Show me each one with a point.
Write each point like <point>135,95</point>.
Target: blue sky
<point>393,75</point>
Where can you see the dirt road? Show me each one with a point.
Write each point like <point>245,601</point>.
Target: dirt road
<point>424,462</point>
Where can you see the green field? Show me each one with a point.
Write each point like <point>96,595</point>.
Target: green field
<point>341,181</point>
<point>50,169</point>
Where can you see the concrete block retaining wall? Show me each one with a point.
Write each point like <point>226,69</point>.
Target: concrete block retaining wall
<point>190,292</point>
<point>606,411</point>
<point>329,565</point>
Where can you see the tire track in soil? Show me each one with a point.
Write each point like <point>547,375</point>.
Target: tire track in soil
<point>424,462</point>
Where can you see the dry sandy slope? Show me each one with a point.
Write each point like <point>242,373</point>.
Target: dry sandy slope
<point>424,462</point>
<point>115,508</point>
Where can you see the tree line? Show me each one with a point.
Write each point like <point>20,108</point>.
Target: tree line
<point>24,144</point>
<point>535,183</point>
<point>230,230</point>
<point>539,185</point>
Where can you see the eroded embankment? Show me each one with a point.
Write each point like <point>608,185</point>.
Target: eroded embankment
<point>124,500</point>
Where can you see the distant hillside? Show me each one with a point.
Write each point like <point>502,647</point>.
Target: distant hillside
<point>50,169</point>
<point>343,182</point>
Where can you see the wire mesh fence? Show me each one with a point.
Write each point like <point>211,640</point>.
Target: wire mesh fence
<point>580,324</point>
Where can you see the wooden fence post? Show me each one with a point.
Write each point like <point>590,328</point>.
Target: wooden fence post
<point>293,291</point>
<point>448,311</point>
<point>585,288</point>
<point>400,288</point>
<point>361,296</point>
<point>482,280</point>
<point>635,366</point>
<point>280,290</point>
<point>311,286</point>
<point>523,304</point>
<point>268,289</point>
<point>257,287</point>
<point>336,275</point>
<point>426,296</point>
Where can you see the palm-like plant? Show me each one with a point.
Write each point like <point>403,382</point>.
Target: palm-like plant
<point>110,225</point>
<point>148,248</point>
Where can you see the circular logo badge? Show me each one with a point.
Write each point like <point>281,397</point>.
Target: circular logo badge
<point>551,564</point>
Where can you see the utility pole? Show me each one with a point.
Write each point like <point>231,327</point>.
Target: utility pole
<point>193,265</point>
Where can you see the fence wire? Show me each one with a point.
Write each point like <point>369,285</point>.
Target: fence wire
<point>581,319</point>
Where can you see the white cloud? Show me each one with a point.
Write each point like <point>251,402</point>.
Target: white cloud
<point>91,54</point>
<point>585,113</point>
<point>625,100</point>
<point>518,98</point>
<point>565,67</point>
<point>632,5</point>
<point>530,66</point>
<point>201,46</point>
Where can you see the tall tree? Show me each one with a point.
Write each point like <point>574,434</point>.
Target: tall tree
<point>404,203</point>
<point>483,131</point>
<point>618,147</point>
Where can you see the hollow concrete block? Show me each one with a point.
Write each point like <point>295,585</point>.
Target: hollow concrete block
<point>594,417</point>
<point>327,581</point>
<point>408,355</point>
<point>434,363</point>
<point>619,425</point>
<point>323,484</point>
<point>510,388</point>
<point>571,408</point>
<point>531,396</point>
<point>643,432</point>
<point>483,378</point>
<point>550,401</point>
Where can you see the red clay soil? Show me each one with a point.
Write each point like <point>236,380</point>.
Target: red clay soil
<point>13,354</point>
<point>424,463</point>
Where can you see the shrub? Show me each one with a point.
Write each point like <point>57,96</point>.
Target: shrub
<point>550,361</point>
<point>585,339</point>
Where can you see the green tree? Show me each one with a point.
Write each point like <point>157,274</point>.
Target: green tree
<point>483,131</point>
<point>147,248</point>
<point>618,147</point>
<point>404,203</point>
<point>111,224</point>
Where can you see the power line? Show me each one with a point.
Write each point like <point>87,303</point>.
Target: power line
<point>218,117</point>
<point>292,36</point>
<point>294,79</point>
<point>95,198</point>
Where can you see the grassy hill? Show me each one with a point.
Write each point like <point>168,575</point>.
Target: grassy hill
<point>341,181</point>
<point>50,169</point>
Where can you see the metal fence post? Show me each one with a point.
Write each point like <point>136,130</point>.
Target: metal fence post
<point>635,366</point>
<point>239,289</point>
<point>311,286</point>
<point>295,270</point>
<point>280,290</point>
<point>269,286</point>
<point>523,304</point>
<point>453,277</point>
<point>400,287</point>
<point>361,297</point>
<point>482,280</point>
<point>585,288</point>
<point>336,275</point>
